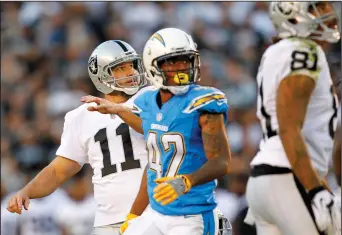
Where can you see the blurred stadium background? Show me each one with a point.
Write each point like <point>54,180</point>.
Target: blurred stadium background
<point>44,51</point>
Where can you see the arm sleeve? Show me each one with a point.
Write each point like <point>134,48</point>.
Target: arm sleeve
<point>71,146</point>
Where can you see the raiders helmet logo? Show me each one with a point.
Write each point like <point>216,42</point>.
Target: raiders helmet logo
<point>286,8</point>
<point>92,65</point>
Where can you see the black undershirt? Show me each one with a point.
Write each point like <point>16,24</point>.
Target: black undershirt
<point>159,101</point>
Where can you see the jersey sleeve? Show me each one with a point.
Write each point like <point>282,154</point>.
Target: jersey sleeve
<point>210,100</point>
<point>139,103</point>
<point>71,146</point>
<point>299,57</point>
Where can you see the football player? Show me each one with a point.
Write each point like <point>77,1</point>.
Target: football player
<point>184,125</point>
<point>297,108</point>
<point>115,152</point>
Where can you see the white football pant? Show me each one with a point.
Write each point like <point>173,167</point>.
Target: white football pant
<point>153,223</point>
<point>279,205</point>
<point>113,229</point>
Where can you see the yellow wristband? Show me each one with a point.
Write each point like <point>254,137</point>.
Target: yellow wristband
<point>187,183</point>
<point>131,216</point>
<point>124,226</point>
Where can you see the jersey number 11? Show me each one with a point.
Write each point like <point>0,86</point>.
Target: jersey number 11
<point>130,162</point>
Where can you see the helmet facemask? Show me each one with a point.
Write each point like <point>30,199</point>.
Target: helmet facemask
<point>314,20</point>
<point>178,80</point>
<point>127,84</point>
<point>327,28</point>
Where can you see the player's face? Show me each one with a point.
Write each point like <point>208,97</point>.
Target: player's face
<point>124,70</point>
<point>176,70</point>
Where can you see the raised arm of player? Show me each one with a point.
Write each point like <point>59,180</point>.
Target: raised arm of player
<point>45,183</point>
<point>216,147</point>
<point>337,153</point>
<point>140,203</point>
<point>106,107</point>
<point>293,98</point>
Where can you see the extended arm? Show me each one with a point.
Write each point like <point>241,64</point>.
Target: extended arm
<point>131,119</point>
<point>45,183</point>
<point>293,97</point>
<point>106,107</point>
<point>51,177</point>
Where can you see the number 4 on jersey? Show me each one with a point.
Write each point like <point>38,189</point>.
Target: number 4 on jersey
<point>154,153</point>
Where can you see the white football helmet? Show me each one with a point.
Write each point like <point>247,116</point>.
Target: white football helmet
<point>295,19</point>
<point>165,44</point>
<point>110,54</point>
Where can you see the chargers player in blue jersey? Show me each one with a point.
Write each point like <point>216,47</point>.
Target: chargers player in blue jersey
<point>184,128</point>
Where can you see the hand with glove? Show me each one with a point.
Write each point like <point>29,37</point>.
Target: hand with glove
<point>170,188</point>
<point>124,226</point>
<point>326,210</point>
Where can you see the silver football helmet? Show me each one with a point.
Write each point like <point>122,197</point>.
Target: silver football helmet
<point>111,54</point>
<point>296,19</point>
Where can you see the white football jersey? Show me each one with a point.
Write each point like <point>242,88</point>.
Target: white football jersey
<point>77,217</point>
<point>37,220</point>
<point>296,56</point>
<point>116,153</point>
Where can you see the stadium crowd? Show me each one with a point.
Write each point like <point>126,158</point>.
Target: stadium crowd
<point>45,48</point>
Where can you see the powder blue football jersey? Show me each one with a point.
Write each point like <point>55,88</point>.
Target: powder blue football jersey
<point>174,143</point>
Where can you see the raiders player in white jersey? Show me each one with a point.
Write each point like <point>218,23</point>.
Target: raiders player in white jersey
<point>115,151</point>
<point>297,108</point>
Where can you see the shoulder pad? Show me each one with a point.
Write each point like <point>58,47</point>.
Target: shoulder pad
<point>206,99</point>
